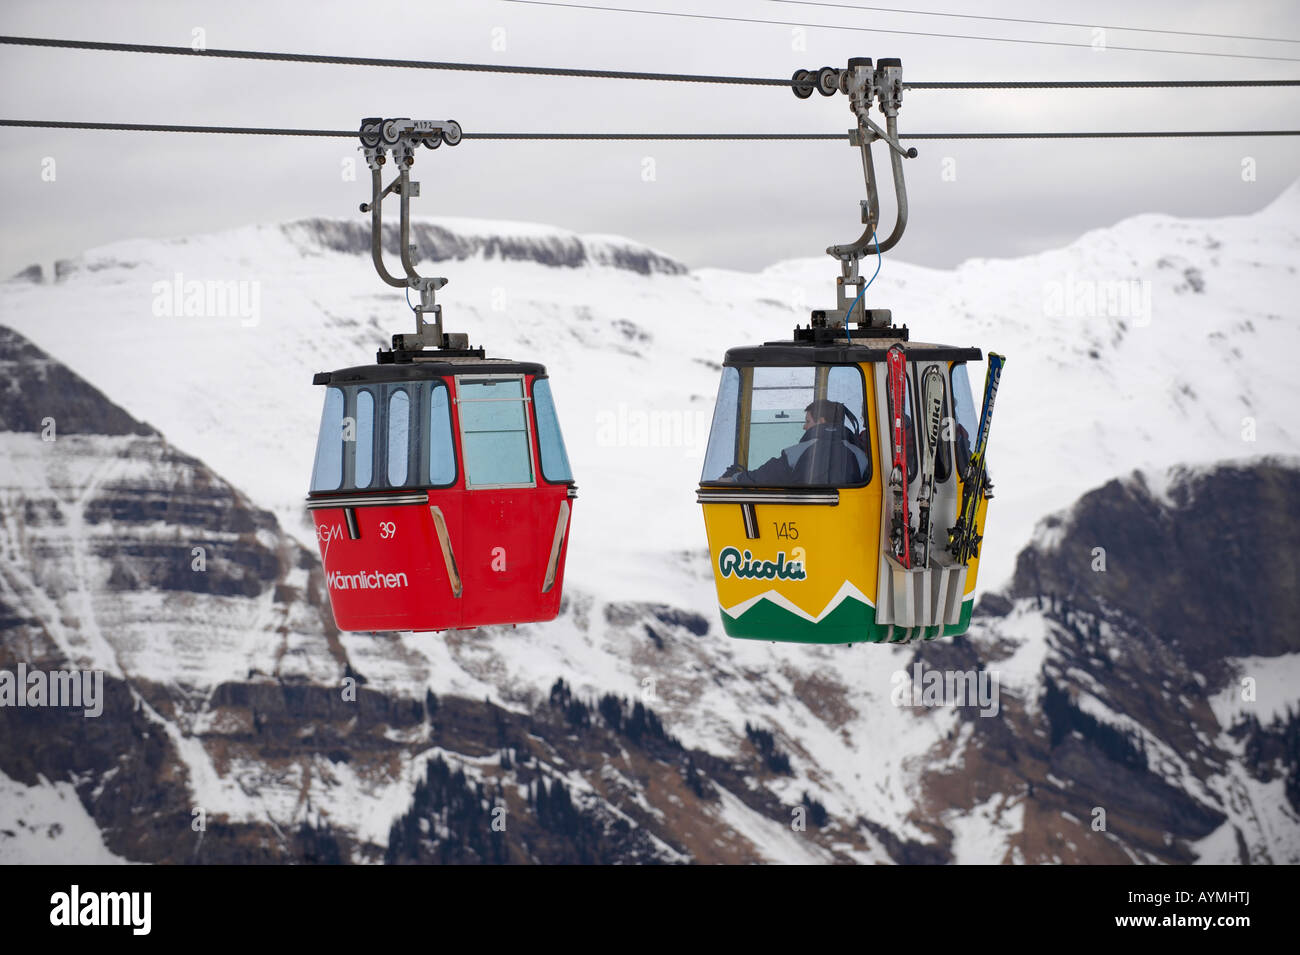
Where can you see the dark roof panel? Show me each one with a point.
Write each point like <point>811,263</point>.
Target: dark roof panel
<point>844,353</point>
<point>423,370</point>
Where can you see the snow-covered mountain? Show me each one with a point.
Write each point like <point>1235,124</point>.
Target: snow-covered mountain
<point>1144,346</point>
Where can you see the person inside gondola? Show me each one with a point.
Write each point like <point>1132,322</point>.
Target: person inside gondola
<point>827,454</point>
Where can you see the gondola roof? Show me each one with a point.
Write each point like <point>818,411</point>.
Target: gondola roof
<point>426,368</point>
<point>842,352</point>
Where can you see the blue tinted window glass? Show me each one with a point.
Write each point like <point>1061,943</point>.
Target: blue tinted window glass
<point>365,442</point>
<point>963,403</point>
<point>844,384</point>
<point>776,416</point>
<point>327,475</point>
<point>399,424</point>
<point>555,461</point>
<point>442,448</point>
<point>963,411</point>
<point>494,430</point>
<point>721,453</point>
<point>789,426</point>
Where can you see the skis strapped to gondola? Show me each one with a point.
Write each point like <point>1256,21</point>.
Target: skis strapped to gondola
<point>931,419</point>
<point>901,529</point>
<point>963,541</point>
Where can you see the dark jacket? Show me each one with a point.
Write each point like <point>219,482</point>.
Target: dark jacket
<point>824,455</point>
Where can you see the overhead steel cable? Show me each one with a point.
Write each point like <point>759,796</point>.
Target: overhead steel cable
<point>382,61</point>
<point>922,33</point>
<point>682,137</point>
<point>1114,134</point>
<point>636,137</point>
<point>161,128</point>
<point>1095,84</point>
<point>99,46</point>
<point>1045,23</point>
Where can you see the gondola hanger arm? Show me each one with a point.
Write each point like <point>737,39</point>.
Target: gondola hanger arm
<point>866,85</point>
<point>400,138</point>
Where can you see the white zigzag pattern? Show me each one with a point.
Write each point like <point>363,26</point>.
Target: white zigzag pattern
<point>846,591</point>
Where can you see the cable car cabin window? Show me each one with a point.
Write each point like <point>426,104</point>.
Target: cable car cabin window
<point>797,426</point>
<point>442,446</point>
<point>364,466</point>
<point>399,436</point>
<point>385,435</point>
<point>965,424</point>
<point>942,456</point>
<point>909,430</point>
<point>721,452</point>
<point>775,419</point>
<point>844,385</point>
<point>555,461</point>
<point>494,432</point>
<point>327,475</point>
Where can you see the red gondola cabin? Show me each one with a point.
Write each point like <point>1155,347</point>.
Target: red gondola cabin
<point>441,494</point>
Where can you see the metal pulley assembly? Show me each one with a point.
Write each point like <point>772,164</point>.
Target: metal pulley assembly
<point>430,133</point>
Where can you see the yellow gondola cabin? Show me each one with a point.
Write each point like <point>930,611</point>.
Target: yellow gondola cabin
<point>800,549</point>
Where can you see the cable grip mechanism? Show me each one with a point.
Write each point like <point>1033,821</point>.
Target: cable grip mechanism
<point>866,85</point>
<point>400,138</point>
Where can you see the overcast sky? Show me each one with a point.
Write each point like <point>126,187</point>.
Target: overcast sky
<point>741,205</point>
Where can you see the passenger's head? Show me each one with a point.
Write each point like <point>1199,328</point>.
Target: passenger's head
<point>823,411</point>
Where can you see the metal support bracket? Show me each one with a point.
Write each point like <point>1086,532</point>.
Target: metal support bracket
<point>401,138</point>
<point>865,85</point>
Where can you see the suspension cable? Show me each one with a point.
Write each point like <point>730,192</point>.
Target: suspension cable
<point>1098,84</point>
<point>873,29</point>
<point>99,46</point>
<point>667,137</point>
<point>1041,23</point>
<point>381,61</point>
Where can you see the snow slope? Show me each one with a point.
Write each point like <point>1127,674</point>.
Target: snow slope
<point>46,824</point>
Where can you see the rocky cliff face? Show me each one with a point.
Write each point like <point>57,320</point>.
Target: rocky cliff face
<point>120,554</point>
<point>436,240</point>
<point>457,241</point>
<point>1208,562</point>
<point>1166,674</point>
<point>36,388</point>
